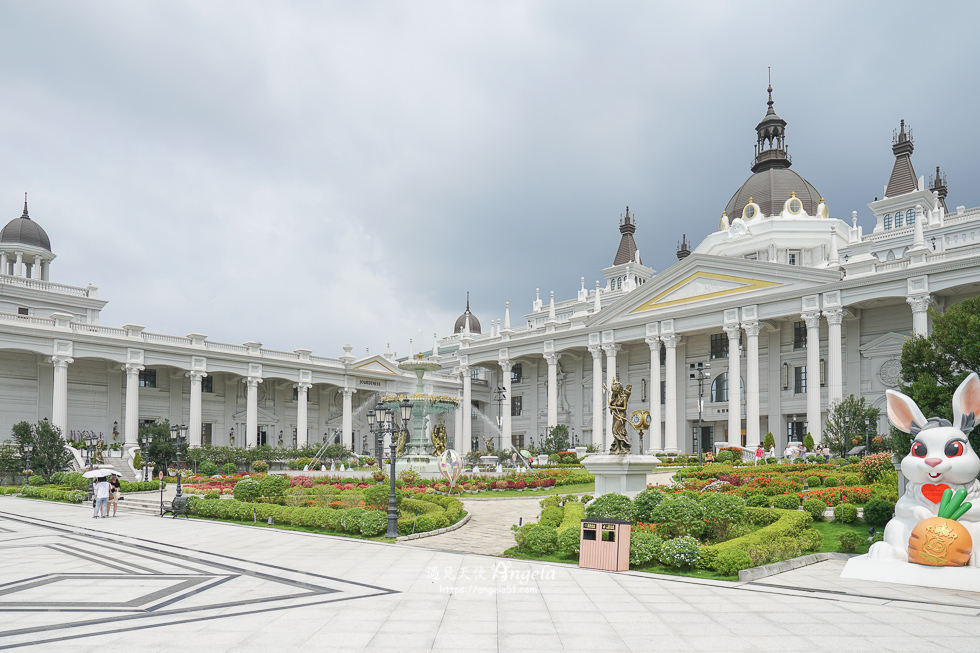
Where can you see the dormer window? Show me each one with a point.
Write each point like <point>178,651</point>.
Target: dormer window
<point>910,217</point>
<point>887,221</point>
<point>898,219</point>
<point>793,257</point>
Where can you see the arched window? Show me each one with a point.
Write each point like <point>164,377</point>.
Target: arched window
<point>899,219</point>
<point>910,217</point>
<point>888,221</point>
<point>719,388</point>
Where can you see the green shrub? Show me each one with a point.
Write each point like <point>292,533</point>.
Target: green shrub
<point>551,501</point>
<point>645,503</point>
<point>723,514</point>
<point>854,460</point>
<point>845,513</point>
<point>572,519</point>
<point>724,457</point>
<point>229,469</point>
<point>808,442</point>
<point>776,523</point>
<point>814,481</point>
<point>138,460</point>
<point>373,522</point>
<point>774,549</point>
<point>247,490</point>
<point>539,538</point>
<point>58,478</point>
<point>76,481</point>
<point>886,487</point>
<point>644,548</point>
<point>831,481</point>
<point>410,506</point>
<point>350,520</point>
<point>876,465</point>
<point>260,466</point>
<point>786,502</point>
<point>210,496</point>
<point>586,498</point>
<point>36,480</point>
<point>377,496</point>
<point>769,441</point>
<point>811,539</point>
<point>758,501</point>
<point>732,561</point>
<point>569,541</point>
<point>772,461</point>
<point>680,515</point>
<point>552,517</point>
<point>273,486</point>
<point>852,479</point>
<point>877,512</point>
<point>848,541</point>
<point>682,552</point>
<point>611,506</point>
<point>763,516</point>
<point>207,468</point>
<point>815,507</point>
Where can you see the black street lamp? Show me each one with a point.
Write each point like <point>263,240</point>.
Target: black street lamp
<point>700,372</point>
<point>373,427</point>
<point>406,414</point>
<point>28,448</point>
<point>178,435</point>
<point>90,440</point>
<point>499,395</point>
<point>145,450</point>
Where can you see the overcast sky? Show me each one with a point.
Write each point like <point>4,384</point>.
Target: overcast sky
<point>309,174</point>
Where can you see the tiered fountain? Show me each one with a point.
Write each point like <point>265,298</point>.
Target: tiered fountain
<point>418,449</point>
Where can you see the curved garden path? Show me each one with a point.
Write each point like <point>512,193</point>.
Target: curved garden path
<point>488,531</point>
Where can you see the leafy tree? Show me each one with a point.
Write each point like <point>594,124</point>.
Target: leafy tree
<point>10,462</point>
<point>162,451</point>
<point>556,440</point>
<point>808,442</point>
<point>769,441</point>
<point>848,419</point>
<point>49,454</point>
<point>337,452</point>
<point>933,366</point>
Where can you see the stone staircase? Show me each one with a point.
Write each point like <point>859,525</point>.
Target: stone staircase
<point>144,503</point>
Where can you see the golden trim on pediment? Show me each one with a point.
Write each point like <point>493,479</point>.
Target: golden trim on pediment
<point>711,285</point>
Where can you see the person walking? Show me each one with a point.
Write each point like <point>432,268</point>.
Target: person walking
<point>758,454</point>
<point>772,450</point>
<point>102,490</point>
<point>116,488</point>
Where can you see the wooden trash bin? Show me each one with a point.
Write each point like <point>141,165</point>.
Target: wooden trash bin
<point>605,544</point>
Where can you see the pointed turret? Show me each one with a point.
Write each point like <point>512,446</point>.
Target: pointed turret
<point>627,246</point>
<point>467,319</point>
<point>903,179</point>
<point>938,185</point>
<point>770,146</point>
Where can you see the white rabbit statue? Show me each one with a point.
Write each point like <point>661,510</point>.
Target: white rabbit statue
<point>940,457</point>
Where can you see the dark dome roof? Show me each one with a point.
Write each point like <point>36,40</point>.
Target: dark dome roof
<point>461,320</point>
<point>770,189</point>
<point>24,231</point>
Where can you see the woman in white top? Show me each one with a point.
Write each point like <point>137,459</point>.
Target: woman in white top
<point>102,489</point>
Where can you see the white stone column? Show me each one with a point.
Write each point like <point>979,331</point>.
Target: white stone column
<point>835,362</point>
<point>36,269</point>
<point>611,351</point>
<point>302,421</point>
<point>194,423</point>
<point>552,360</point>
<point>347,423</point>
<point>458,424</point>
<point>132,402</point>
<point>752,424</point>
<point>59,394</point>
<point>506,433</point>
<point>251,411</point>
<point>734,386</point>
<point>466,407</point>
<point>3,262</point>
<point>598,410</point>
<point>656,426</point>
<point>670,400</point>
<point>19,266</point>
<point>813,374</point>
<point>920,316</point>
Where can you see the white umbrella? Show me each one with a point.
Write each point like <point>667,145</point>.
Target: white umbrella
<point>100,473</point>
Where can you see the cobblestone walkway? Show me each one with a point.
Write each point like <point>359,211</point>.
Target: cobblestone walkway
<point>488,531</point>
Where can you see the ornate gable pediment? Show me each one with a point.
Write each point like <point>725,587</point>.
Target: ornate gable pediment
<point>263,416</point>
<point>701,285</point>
<point>377,364</point>
<point>886,345</point>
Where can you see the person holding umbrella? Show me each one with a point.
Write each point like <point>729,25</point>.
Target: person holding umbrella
<point>102,491</point>
<point>113,494</point>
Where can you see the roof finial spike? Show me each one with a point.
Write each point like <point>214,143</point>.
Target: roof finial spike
<point>770,87</point>
<point>25,215</point>
<point>467,300</point>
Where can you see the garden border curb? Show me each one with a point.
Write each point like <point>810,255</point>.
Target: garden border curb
<point>439,531</point>
<point>757,573</point>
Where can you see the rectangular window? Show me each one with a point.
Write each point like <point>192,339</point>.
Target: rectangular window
<point>898,220</point>
<point>206,434</point>
<point>663,394</point>
<point>516,406</point>
<point>799,335</point>
<point>207,384</point>
<point>517,373</point>
<point>794,257</point>
<point>146,423</point>
<point>888,221</point>
<point>148,379</point>
<point>795,431</point>
<point>517,439</point>
<point>719,345</point>
<point>23,311</point>
<point>663,356</point>
<point>296,395</point>
<point>799,377</point>
<point>910,217</point>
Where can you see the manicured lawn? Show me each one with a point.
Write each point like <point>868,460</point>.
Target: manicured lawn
<point>830,531</point>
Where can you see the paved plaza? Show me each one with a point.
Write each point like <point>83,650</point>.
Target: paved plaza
<point>140,583</point>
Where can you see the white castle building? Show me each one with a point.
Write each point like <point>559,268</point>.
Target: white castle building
<point>57,362</point>
<point>792,309</point>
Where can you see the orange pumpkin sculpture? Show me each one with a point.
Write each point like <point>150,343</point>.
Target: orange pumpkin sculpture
<point>942,541</point>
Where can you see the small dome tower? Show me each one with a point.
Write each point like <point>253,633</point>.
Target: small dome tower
<point>25,249</point>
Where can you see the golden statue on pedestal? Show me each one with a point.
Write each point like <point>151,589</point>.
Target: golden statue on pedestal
<point>438,439</point>
<point>618,399</point>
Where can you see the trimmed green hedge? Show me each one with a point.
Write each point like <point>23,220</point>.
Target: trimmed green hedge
<point>53,494</point>
<point>140,486</point>
<point>779,523</point>
<point>574,514</point>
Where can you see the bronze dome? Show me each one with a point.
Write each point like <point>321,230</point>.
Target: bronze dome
<point>474,324</point>
<point>770,189</point>
<point>24,231</point>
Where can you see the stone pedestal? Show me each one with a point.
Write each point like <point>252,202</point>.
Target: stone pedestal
<point>906,573</point>
<point>620,473</point>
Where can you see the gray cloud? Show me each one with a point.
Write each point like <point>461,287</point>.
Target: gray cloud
<point>310,174</point>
